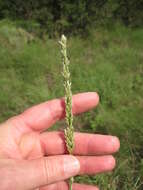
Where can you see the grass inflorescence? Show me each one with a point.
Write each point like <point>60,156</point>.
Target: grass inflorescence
<point>69,131</point>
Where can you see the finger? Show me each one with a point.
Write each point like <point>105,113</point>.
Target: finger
<point>64,186</point>
<point>25,175</point>
<point>53,143</point>
<point>46,114</point>
<point>33,145</point>
<point>89,166</point>
<point>96,164</point>
<point>31,174</point>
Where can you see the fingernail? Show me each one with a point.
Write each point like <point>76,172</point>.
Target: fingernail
<point>71,166</point>
<point>110,163</point>
<point>115,143</point>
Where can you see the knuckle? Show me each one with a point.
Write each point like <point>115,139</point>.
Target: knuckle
<point>53,169</point>
<point>47,170</point>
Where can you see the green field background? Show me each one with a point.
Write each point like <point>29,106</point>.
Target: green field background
<point>109,61</point>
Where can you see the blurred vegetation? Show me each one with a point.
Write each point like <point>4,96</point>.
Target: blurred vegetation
<point>109,61</point>
<point>71,16</point>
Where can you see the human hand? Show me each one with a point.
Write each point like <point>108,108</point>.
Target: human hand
<point>32,158</point>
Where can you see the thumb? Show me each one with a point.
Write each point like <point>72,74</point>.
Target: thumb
<point>31,174</point>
